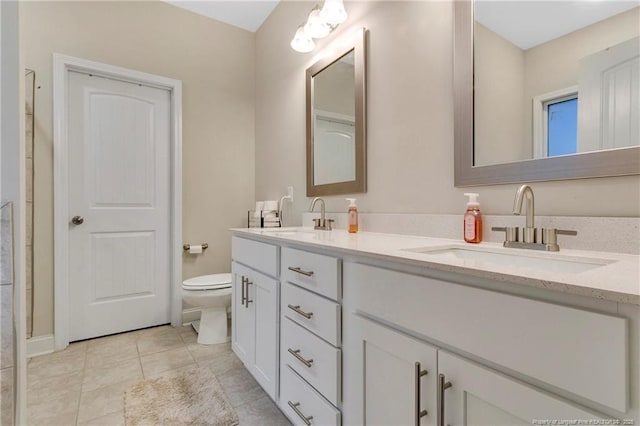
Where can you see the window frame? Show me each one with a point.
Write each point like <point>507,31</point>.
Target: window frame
<point>541,117</point>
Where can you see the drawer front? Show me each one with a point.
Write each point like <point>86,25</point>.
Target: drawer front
<point>315,272</point>
<point>259,256</point>
<point>298,400</point>
<point>314,359</point>
<point>313,312</point>
<point>579,351</point>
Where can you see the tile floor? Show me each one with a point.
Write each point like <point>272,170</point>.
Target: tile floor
<point>85,383</point>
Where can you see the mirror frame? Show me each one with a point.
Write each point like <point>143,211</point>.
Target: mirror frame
<point>360,183</point>
<point>617,162</point>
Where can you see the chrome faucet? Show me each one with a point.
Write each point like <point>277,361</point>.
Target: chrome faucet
<point>529,234</point>
<point>546,239</point>
<point>322,223</point>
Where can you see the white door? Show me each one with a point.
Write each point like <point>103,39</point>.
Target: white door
<point>609,98</point>
<point>398,377</point>
<point>334,150</point>
<point>119,189</point>
<point>478,396</point>
<point>243,320</point>
<point>264,291</point>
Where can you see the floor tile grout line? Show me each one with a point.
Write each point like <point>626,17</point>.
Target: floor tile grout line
<point>84,368</point>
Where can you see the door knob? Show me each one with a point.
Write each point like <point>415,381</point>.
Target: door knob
<point>77,220</point>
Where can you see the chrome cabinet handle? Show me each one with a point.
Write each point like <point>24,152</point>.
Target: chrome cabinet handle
<point>300,271</point>
<point>246,300</point>
<point>244,297</point>
<point>77,220</point>
<point>296,353</point>
<point>419,374</point>
<point>442,386</point>
<point>299,311</point>
<point>294,407</point>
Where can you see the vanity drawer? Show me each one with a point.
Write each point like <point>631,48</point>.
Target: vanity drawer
<point>260,256</point>
<point>312,358</point>
<point>296,394</point>
<point>315,272</point>
<point>315,313</point>
<point>580,351</point>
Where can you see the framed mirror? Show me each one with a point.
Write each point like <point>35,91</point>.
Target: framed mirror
<point>336,121</point>
<point>549,101</point>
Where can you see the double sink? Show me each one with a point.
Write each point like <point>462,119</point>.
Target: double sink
<point>482,256</point>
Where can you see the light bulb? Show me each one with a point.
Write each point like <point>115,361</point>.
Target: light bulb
<point>333,12</point>
<point>316,27</point>
<point>302,42</point>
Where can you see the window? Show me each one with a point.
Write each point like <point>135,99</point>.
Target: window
<point>562,127</point>
<point>555,123</point>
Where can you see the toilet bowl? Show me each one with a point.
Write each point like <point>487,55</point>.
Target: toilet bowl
<point>212,294</point>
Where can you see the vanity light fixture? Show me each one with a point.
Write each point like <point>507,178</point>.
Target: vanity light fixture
<point>333,12</point>
<point>302,42</point>
<point>317,27</point>
<point>319,24</point>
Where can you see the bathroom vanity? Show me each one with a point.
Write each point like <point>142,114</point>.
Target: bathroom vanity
<point>388,329</point>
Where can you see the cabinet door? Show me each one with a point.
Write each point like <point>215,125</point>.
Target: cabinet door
<point>480,396</point>
<point>242,317</point>
<point>398,377</point>
<point>264,293</point>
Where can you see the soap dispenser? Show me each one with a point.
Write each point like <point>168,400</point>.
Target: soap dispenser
<point>353,216</point>
<point>473,219</point>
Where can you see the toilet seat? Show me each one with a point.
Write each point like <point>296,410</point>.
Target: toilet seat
<point>208,282</point>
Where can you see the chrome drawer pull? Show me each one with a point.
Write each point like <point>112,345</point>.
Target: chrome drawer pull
<point>294,407</point>
<point>244,295</point>
<point>296,353</point>
<point>418,375</point>
<point>246,300</point>
<point>299,311</point>
<point>442,386</point>
<point>300,271</point>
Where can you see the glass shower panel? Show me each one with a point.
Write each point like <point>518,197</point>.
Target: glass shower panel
<point>7,323</point>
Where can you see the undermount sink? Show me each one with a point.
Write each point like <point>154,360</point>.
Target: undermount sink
<point>287,232</point>
<point>551,262</point>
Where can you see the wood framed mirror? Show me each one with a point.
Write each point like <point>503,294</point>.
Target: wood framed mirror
<point>482,140</point>
<point>336,121</point>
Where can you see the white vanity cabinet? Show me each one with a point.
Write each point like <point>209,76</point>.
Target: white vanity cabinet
<point>310,349</point>
<point>580,354</point>
<point>399,375</point>
<point>476,395</point>
<point>255,308</point>
<point>404,378</point>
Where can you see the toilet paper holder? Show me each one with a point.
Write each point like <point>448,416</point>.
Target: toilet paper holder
<point>186,247</point>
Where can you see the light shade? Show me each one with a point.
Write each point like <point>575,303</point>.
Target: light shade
<point>302,42</point>
<point>333,12</point>
<point>316,27</point>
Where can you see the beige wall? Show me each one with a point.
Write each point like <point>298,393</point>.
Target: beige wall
<point>410,120</point>
<point>498,98</point>
<point>554,65</point>
<point>333,89</point>
<point>215,62</point>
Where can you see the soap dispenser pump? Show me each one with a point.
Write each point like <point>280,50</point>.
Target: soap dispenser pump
<point>473,219</point>
<point>353,216</point>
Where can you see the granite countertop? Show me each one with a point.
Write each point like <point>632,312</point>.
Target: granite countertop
<point>608,276</point>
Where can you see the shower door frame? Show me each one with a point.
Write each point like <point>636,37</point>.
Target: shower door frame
<point>62,65</point>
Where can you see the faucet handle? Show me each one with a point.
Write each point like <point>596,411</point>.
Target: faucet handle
<point>511,232</point>
<point>550,235</point>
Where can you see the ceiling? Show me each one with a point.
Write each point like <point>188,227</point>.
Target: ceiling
<point>528,23</point>
<point>245,14</point>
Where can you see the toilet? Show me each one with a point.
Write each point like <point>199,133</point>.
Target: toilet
<point>212,294</point>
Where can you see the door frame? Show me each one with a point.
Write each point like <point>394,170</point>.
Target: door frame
<point>62,65</point>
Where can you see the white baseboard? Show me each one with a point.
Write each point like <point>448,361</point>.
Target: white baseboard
<point>190,315</point>
<point>40,345</point>
<point>193,314</point>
